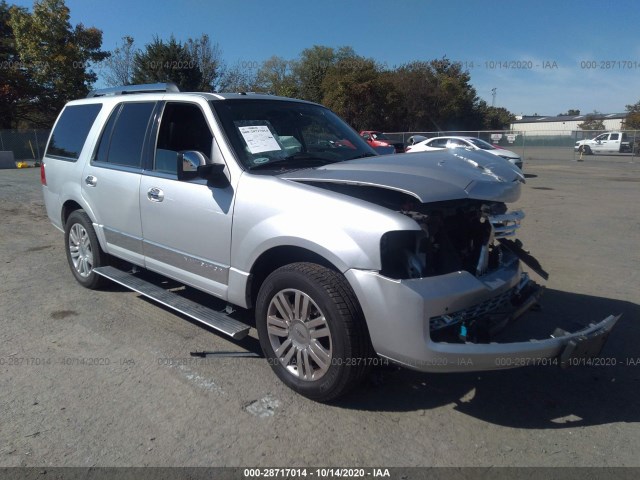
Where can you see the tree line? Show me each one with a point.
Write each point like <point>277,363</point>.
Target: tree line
<point>45,62</point>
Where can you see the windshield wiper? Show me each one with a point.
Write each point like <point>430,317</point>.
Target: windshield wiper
<point>364,155</point>
<point>295,159</point>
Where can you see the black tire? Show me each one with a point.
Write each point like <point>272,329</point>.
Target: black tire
<point>83,250</point>
<point>330,298</point>
<point>587,150</point>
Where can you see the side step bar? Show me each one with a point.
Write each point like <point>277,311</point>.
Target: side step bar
<point>217,320</point>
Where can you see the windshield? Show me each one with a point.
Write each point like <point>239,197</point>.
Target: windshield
<point>481,144</point>
<point>379,136</point>
<point>266,132</point>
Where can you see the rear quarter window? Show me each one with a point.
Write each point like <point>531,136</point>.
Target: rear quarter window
<point>71,131</point>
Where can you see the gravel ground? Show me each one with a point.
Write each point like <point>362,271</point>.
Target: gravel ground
<point>104,378</point>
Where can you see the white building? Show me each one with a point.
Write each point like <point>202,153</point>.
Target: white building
<point>564,125</point>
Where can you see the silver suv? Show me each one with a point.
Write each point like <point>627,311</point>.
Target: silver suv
<point>272,204</point>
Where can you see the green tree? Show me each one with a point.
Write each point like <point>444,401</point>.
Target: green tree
<point>55,57</point>
<point>632,120</point>
<point>313,65</point>
<point>356,89</point>
<point>311,69</point>
<point>169,61</point>
<point>592,122</point>
<point>15,88</point>
<point>275,76</point>
<point>570,112</point>
<point>436,95</point>
<point>494,118</point>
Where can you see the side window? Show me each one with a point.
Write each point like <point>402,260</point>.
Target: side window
<point>123,136</point>
<point>614,136</point>
<point>71,131</point>
<point>455,143</point>
<point>183,127</point>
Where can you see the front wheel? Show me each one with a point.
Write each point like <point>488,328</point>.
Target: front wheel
<point>312,331</point>
<point>83,250</point>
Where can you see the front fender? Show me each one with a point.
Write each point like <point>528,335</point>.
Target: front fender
<point>272,212</point>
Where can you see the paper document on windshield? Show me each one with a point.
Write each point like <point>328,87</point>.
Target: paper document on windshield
<point>259,139</point>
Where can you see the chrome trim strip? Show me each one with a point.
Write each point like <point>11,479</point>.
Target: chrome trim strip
<point>183,261</point>
<point>507,224</point>
<point>123,240</point>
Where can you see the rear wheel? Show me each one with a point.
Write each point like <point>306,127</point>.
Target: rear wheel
<point>83,250</point>
<point>312,331</point>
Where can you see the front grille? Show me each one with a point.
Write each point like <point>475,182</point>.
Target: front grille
<point>482,308</point>
<point>507,224</point>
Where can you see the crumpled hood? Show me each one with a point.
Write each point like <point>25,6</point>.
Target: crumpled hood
<point>428,176</point>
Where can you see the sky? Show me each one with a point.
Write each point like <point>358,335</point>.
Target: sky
<point>540,56</point>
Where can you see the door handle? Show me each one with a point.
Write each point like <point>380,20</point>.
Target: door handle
<point>155,194</point>
<point>91,181</point>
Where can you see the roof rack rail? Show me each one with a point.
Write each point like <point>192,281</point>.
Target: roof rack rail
<point>142,88</point>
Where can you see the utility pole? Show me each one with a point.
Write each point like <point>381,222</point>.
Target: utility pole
<point>493,94</point>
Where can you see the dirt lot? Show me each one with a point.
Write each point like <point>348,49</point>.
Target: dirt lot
<point>105,378</point>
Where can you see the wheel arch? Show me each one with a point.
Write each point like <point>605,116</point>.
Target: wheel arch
<point>67,208</point>
<point>276,257</point>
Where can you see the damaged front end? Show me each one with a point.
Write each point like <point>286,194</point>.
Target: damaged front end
<point>465,272</point>
<point>446,288</point>
<point>469,236</point>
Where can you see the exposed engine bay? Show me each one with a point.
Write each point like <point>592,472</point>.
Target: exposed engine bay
<point>455,236</point>
<point>458,235</point>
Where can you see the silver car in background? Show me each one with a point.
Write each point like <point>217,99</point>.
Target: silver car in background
<point>470,143</point>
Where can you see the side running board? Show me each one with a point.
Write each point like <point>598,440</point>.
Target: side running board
<point>218,320</point>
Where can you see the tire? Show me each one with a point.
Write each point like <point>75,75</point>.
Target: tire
<point>587,150</point>
<point>83,250</point>
<point>312,331</point>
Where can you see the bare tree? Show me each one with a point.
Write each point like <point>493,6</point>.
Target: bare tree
<point>238,79</point>
<point>120,64</point>
<point>208,57</point>
<point>592,121</point>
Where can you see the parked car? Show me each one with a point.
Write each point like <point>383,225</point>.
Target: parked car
<point>378,139</point>
<point>278,207</point>
<point>608,142</point>
<point>439,143</point>
<point>413,139</point>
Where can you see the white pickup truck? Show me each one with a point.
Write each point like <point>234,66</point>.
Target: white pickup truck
<point>608,142</point>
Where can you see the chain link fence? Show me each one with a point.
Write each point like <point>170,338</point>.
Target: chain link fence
<point>532,145</point>
<point>29,145</point>
<point>26,145</point>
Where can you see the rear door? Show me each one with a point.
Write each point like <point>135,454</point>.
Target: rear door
<point>186,225</point>
<point>613,144</point>
<point>111,180</point>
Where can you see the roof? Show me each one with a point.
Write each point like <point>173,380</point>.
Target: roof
<point>170,88</point>
<point>570,118</point>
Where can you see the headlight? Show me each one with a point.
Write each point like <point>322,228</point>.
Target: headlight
<point>401,255</point>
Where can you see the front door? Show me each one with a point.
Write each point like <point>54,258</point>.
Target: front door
<point>186,225</point>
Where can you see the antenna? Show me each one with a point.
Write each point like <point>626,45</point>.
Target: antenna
<point>493,94</point>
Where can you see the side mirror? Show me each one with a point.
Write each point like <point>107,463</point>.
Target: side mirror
<point>213,173</point>
<point>193,164</point>
<point>188,163</point>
